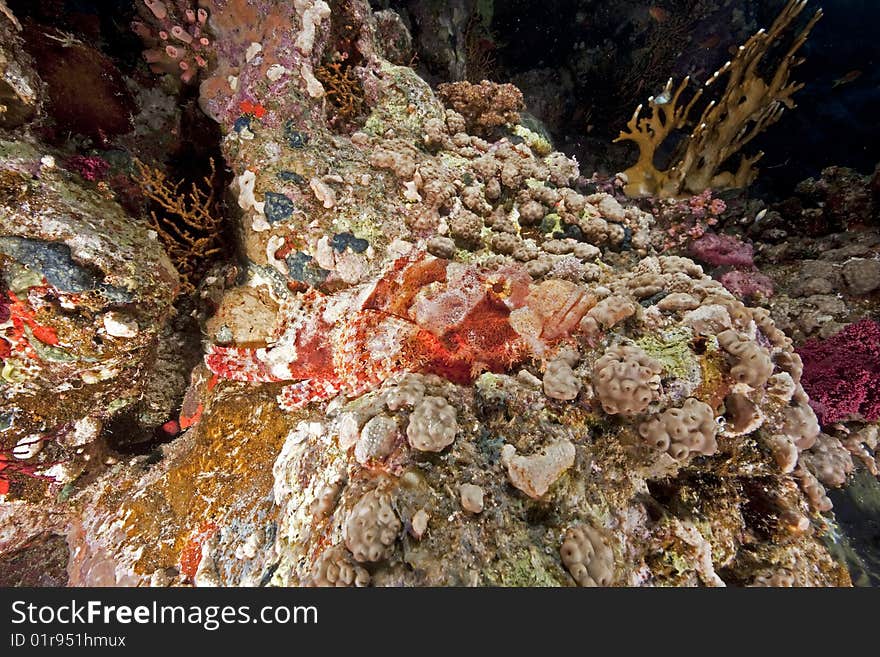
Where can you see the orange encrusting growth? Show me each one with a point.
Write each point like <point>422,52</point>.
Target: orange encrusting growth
<point>191,555</point>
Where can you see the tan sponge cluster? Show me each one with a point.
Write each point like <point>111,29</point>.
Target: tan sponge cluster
<point>682,431</point>
<point>626,380</point>
<point>587,556</point>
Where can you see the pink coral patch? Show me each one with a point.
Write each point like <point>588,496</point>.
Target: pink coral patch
<point>842,374</point>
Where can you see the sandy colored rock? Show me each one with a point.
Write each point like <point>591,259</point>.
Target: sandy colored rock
<point>534,474</point>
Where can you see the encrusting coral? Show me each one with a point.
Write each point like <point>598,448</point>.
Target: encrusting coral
<point>682,431</point>
<point>626,380</point>
<point>587,556</point>
<point>371,527</point>
<point>749,104</point>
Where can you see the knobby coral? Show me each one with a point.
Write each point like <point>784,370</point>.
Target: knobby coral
<point>749,104</point>
<point>485,106</point>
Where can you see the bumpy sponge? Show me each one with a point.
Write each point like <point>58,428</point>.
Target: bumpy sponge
<point>335,568</point>
<point>372,527</point>
<point>753,365</point>
<point>560,381</point>
<point>587,556</point>
<point>626,380</point>
<point>432,425</point>
<point>682,431</point>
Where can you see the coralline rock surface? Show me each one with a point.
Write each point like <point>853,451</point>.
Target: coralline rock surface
<point>20,86</point>
<point>85,292</point>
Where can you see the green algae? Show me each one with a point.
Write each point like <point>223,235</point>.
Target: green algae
<point>527,567</point>
<point>672,349</point>
<point>406,104</point>
<point>538,143</point>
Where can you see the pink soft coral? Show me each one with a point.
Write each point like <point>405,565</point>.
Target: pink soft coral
<point>748,284</point>
<point>842,373</point>
<point>723,250</point>
<point>90,167</point>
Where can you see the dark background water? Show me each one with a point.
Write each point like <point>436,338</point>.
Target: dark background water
<point>584,65</point>
<point>831,125</point>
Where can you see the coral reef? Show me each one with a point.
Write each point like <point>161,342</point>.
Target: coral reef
<point>343,91</point>
<point>748,285</point>
<point>442,356</point>
<point>687,219</point>
<point>371,528</point>
<point>839,199</point>
<point>812,296</point>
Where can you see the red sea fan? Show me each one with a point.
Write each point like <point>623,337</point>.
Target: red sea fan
<point>842,373</point>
